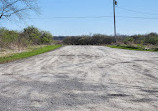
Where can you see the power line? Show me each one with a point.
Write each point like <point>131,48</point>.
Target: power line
<point>76,17</point>
<point>138,17</point>
<point>140,12</point>
<point>103,16</point>
<point>97,17</point>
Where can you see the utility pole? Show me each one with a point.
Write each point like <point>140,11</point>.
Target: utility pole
<point>114,4</point>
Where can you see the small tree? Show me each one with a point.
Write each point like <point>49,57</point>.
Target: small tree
<point>46,37</point>
<point>16,7</point>
<point>8,38</point>
<point>32,34</point>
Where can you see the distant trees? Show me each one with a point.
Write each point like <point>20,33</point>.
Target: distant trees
<point>99,39</point>
<point>96,39</point>
<point>16,7</point>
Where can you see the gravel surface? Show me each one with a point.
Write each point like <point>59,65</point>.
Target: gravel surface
<point>81,78</point>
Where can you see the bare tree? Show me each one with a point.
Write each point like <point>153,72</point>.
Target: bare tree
<point>18,8</point>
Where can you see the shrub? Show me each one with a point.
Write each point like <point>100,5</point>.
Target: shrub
<point>8,38</point>
<point>151,40</point>
<point>32,34</point>
<point>46,37</point>
<point>29,36</point>
<point>37,37</point>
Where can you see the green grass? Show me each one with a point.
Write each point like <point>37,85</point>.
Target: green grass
<point>27,54</point>
<point>132,48</point>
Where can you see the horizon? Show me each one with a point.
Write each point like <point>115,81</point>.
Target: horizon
<point>67,17</point>
<point>83,34</point>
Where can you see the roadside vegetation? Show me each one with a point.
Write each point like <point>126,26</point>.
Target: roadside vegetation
<point>32,52</point>
<point>32,41</point>
<point>10,39</point>
<point>29,42</point>
<point>133,48</point>
<point>147,42</point>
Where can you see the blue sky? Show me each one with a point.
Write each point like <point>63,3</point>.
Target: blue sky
<point>83,8</point>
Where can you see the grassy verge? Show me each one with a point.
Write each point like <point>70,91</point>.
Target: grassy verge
<point>30,53</point>
<point>132,48</point>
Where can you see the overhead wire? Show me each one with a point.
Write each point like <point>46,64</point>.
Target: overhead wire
<point>103,16</point>
<point>97,17</point>
<point>140,12</point>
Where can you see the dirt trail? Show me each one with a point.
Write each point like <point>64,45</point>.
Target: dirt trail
<point>81,78</point>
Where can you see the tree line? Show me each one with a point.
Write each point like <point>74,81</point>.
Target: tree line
<point>96,39</point>
<point>99,39</point>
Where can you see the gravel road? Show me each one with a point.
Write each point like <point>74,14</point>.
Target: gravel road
<point>81,78</point>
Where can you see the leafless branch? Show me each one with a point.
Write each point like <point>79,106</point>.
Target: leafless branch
<point>18,8</point>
